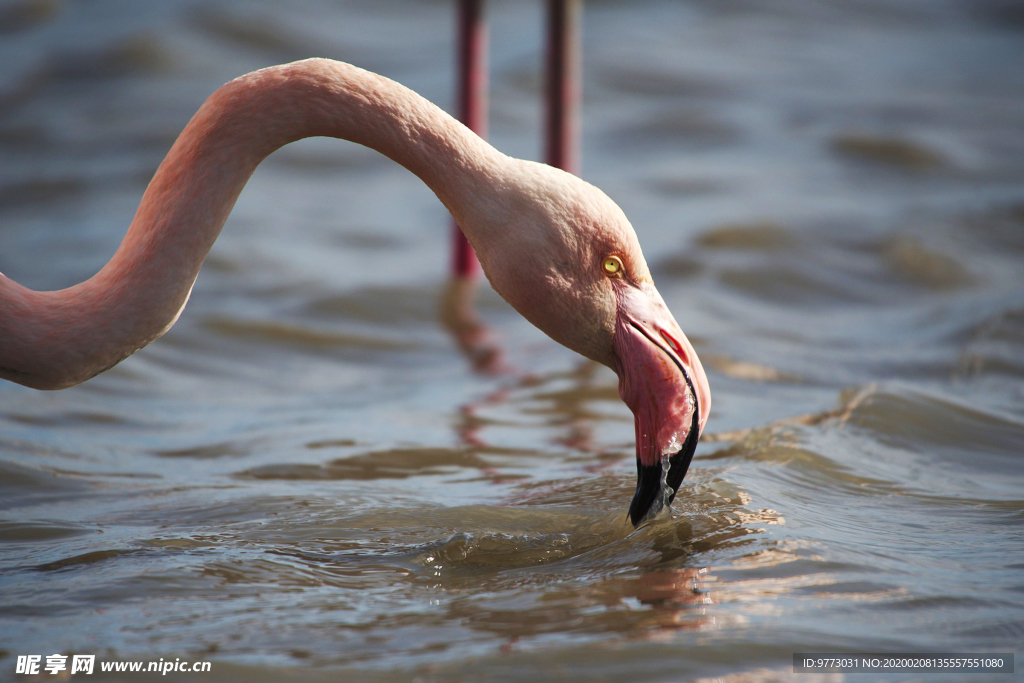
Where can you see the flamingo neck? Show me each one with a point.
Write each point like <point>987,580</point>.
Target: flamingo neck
<point>52,340</point>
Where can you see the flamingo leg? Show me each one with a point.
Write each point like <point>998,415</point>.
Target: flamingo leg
<point>561,124</point>
<point>472,107</point>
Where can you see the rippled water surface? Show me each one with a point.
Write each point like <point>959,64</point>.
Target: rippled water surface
<point>306,480</point>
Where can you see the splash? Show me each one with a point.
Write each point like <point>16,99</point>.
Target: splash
<point>673,446</point>
<point>676,440</point>
<point>665,491</point>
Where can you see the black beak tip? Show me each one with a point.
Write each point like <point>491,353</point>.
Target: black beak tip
<point>648,493</point>
<point>648,500</point>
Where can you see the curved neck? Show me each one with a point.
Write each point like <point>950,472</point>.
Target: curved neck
<point>57,339</point>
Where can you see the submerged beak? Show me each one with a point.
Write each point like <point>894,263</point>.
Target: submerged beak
<point>663,383</point>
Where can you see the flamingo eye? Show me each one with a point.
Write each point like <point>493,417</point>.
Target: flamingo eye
<point>612,266</point>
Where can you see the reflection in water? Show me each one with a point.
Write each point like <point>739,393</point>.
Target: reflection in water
<point>474,337</point>
<point>676,599</point>
<point>564,409</point>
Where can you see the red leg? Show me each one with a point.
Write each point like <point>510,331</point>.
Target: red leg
<point>472,105</point>
<point>563,84</point>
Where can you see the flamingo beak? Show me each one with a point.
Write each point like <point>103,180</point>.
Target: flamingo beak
<point>663,383</point>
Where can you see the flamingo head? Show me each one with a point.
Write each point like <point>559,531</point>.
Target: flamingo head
<point>568,260</point>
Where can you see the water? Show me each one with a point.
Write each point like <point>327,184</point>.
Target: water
<point>306,479</point>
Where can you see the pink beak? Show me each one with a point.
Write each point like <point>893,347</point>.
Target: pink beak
<point>663,383</point>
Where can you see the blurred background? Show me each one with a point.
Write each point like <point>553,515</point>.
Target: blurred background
<point>306,478</point>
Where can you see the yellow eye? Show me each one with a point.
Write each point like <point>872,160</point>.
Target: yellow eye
<point>612,265</point>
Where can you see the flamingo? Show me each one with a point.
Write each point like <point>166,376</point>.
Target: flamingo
<point>556,248</point>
